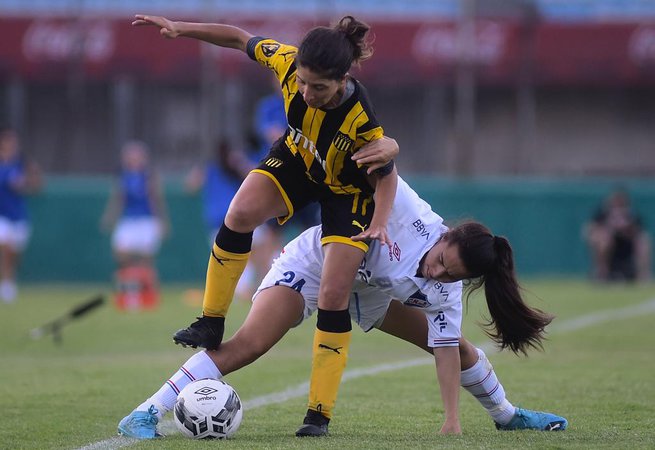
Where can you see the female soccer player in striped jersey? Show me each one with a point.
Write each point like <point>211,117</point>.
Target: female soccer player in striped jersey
<point>329,119</point>
<point>412,290</point>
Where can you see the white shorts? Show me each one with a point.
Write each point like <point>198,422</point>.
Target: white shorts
<point>299,267</point>
<point>140,235</point>
<point>14,235</point>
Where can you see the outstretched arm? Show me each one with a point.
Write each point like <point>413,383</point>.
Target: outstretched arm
<point>448,372</point>
<point>215,33</point>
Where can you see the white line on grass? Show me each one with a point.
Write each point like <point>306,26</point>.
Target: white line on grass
<point>301,389</point>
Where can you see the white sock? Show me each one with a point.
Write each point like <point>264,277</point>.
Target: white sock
<point>481,381</point>
<point>197,367</point>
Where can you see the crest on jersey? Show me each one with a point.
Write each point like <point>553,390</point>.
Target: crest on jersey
<point>270,49</point>
<point>418,299</point>
<point>342,142</point>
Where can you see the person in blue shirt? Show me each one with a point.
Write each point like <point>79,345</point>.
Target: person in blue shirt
<point>219,179</point>
<point>18,177</point>
<point>270,120</point>
<point>136,211</point>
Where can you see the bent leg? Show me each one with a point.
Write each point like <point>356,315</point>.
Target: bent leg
<point>257,200</point>
<point>274,312</point>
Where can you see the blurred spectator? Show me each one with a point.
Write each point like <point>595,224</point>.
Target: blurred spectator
<point>219,180</point>
<point>270,120</point>
<point>136,211</point>
<point>18,176</point>
<point>620,246</point>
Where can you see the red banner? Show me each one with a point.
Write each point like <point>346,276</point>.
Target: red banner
<point>566,53</point>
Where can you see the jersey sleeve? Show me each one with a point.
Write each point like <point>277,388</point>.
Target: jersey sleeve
<point>370,131</point>
<point>445,323</point>
<point>272,54</point>
<point>368,128</point>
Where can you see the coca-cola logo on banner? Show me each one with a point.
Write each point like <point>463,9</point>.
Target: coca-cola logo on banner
<point>49,40</point>
<point>445,43</point>
<point>641,46</point>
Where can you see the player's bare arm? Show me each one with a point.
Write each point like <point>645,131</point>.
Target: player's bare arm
<point>215,33</point>
<point>448,372</point>
<point>385,193</point>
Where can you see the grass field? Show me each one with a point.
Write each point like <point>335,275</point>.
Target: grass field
<point>596,371</point>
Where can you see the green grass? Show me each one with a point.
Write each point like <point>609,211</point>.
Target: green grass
<point>74,394</point>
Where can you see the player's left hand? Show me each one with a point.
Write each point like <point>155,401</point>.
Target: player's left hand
<point>451,427</point>
<point>167,28</point>
<point>378,232</point>
<point>376,153</point>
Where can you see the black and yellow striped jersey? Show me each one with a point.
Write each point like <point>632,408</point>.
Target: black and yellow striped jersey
<point>323,139</point>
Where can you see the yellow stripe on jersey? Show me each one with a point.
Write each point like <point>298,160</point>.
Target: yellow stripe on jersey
<point>311,124</point>
<point>368,136</point>
<point>342,145</point>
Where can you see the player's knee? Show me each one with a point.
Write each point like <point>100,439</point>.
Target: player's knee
<point>243,217</point>
<point>333,297</point>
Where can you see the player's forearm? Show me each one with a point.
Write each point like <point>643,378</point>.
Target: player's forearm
<point>448,373</point>
<point>215,33</point>
<point>385,193</point>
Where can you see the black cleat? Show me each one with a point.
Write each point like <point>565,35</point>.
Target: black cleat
<point>206,332</point>
<point>314,425</point>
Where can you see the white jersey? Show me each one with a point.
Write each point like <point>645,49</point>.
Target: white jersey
<point>385,274</point>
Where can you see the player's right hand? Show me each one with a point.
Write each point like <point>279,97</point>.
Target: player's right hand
<point>376,153</point>
<point>167,27</point>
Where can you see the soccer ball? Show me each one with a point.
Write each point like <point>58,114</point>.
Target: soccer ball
<point>208,409</point>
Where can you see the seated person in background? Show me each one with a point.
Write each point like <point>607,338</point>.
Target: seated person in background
<point>620,246</point>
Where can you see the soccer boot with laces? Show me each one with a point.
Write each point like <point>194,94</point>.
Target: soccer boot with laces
<point>140,424</point>
<point>315,424</point>
<point>525,419</point>
<point>206,332</point>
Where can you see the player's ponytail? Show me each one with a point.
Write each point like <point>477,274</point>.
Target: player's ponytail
<point>356,32</point>
<point>332,51</point>
<point>489,258</point>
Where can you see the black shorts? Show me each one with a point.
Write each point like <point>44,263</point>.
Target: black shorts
<point>342,215</point>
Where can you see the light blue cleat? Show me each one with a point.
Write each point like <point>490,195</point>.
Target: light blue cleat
<point>140,424</point>
<point>524,419</point>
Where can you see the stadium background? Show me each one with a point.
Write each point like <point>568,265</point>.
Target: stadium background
<point>522,114</point>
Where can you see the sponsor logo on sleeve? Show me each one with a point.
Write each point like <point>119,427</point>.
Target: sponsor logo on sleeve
<point>418,299</point>
<point>269,49</point>
<point>440,320</point>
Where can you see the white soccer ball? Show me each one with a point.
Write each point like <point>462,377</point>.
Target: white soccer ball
<point>208,409</point>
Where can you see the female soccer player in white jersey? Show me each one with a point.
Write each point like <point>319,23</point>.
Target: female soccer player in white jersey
<point>396,290</point>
